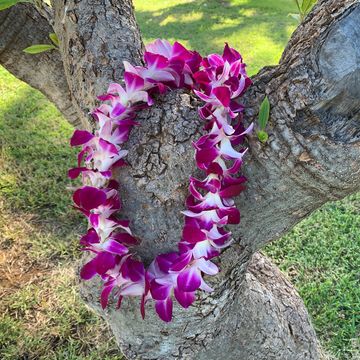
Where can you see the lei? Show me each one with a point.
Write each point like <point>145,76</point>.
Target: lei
<point>219,81</point>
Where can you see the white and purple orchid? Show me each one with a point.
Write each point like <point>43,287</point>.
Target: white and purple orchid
<point>219,81</point>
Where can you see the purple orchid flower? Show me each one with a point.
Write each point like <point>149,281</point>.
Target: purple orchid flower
<point>218,80</point>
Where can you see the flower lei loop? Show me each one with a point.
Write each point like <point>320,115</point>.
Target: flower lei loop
<point>217,80</point>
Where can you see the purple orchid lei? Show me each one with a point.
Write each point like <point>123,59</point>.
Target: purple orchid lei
<point>217,80</point>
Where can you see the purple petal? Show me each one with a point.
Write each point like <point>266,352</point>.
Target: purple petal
<point>119,163</point>
<point>118,109</point>
<point>232,190</point>
<point>75,172</point>
<point>227,149</point>
<point>159,291</point>
<point>160,47</point>
<point>115,88</point>
<point>108,147</point>
<point>230,54</point>
<point>125,238</point>
<point>185,299</point>
<point>205,287</point>
<point>192,234</point>
<point>133,270</point>
<point>94,220</point>
<point>104,262</point>
<point>82,154</point>
<point>206,155</point>
<point>80,137</point>
<point>159,75</point>
<point>155,61</point>
<point>215,60</point>
<point>105,295</point>
<point>88,271</point>
<point>233,215</point>
<point>180,51</point>
<point>207,267</point>
<point>182,261</point>
<point>223,95</point>
<point>235,167</point>
<point>215,168</point>
<point>133,82</point>
<point>189,279</point>
<point>166,261</point>
<point>91,237</point>
<point>133,289</point>
<point>201,77</point>
<point>114,247</point>
<point>164,309</point>
<point>203,96</point>
<point>89,198</point>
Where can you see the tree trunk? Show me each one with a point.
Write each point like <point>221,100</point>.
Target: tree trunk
<point>312,157</point>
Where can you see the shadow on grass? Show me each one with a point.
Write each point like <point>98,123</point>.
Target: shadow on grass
<point>204,25</point>
<point>34,158</point>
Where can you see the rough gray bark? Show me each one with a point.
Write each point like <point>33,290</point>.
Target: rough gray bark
<point>312,157</point>
<point>255,313</point>
<point>22,26</point>
<point>95,38</point>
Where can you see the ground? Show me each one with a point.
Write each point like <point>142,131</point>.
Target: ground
<point>41,315</point>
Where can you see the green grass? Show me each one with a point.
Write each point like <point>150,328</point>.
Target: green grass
<point>321,257</point>
<point>259,29</point>
<point>41,315</point>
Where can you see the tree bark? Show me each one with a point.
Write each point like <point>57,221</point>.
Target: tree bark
<point>95,38</point>
<point>312,157</point>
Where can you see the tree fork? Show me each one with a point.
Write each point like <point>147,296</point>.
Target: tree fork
<point>311,157</point>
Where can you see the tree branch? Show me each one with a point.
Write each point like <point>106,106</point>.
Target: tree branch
<point>313,153</point>
<point>96,37</point>
<point>22,26</point>
<point>45,11</point>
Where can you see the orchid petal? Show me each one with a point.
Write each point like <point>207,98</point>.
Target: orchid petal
<point>164,309</point>
<point>189,279</point>
<point>80,137</point>
<point>185,299</point>
<point>88,271</point>
<point>105,295</point>
<point>207,267</point>
<point>193,234</point>
<point>114,247</point>
<point>89,197</point>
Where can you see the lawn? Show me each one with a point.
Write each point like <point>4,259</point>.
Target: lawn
<point>41,315</point>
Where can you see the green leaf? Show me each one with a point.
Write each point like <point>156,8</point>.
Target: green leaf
<point>36,49</point>
<point>53,37</point>
<point>262,136</point>
<point>4,4</point>
<point>297,17</point>
<point>264,113</point>
<point>307,5</point>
